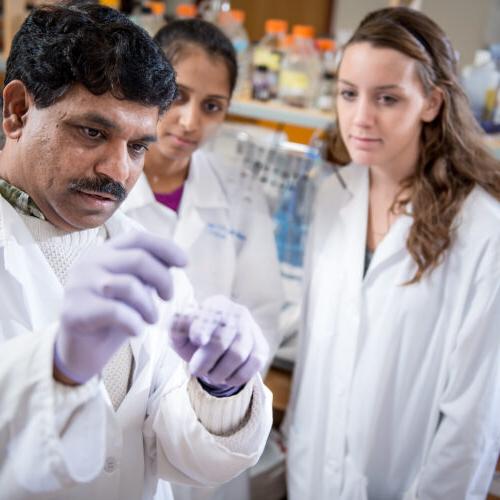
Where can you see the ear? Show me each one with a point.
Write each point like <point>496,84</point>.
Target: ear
<point>16,104</point>
<point>433,104</point>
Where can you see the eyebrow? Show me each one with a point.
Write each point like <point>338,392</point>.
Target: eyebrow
<point>211,96</point>
<point>101,121</point>
<point>380,87</point>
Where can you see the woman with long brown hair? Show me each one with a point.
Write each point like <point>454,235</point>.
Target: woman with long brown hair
<point>397,387</point>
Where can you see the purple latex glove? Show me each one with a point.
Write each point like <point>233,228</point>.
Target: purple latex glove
<point>109,296</point>
<point>221,342</point>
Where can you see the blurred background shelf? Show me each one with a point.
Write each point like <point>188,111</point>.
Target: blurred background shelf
<point>280,113</point>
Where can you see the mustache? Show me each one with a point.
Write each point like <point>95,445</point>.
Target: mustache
<point>100,185</point>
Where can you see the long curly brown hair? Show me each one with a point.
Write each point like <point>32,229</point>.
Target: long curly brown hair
<point>453,158</point>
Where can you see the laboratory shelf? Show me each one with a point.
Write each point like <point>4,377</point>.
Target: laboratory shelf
<point>281,113</point>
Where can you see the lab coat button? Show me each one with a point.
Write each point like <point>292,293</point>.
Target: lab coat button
<point>110,464</point>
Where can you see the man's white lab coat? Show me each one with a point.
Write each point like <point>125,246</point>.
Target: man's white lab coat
<point>53,436</point>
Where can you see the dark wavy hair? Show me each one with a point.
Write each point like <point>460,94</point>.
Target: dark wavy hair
<point>176,37</point>
<point>453,158</point>
<point>58,46</point>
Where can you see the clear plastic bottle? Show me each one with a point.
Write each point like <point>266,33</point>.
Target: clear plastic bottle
<point>150,16</point>
<point>268,53</point>
<point>232,24</point>
<point>326,88</point>
<point>300,69</point>
<point>186,11</point>
<point>328,54</point>
<point>211,9</point>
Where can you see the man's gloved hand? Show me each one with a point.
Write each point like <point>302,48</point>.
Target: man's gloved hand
<point>221,342</point>
<point>109,296</point>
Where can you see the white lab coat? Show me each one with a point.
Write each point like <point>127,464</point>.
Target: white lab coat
<point>225,227</point>
<point>53,436</point>
<point>397,390</point>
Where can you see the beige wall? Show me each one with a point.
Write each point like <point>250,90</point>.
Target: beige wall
<point>464,21</point>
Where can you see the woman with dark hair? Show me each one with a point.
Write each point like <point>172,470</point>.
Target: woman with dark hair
<point>191,196</point>
<point>397,389</point>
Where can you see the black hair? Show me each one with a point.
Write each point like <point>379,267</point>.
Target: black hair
<point>92,45</point>
<point>177,36</point>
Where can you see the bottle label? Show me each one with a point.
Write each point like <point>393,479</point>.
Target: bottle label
<point>266,57</point>
<point>295,81</point>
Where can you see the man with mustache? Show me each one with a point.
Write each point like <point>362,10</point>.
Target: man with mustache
<point>111,376</point>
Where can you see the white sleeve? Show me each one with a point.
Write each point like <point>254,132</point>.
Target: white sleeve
<point>54,435</point>
<point>194,438</point>
<point>188,452</point>
<point>465,448</point>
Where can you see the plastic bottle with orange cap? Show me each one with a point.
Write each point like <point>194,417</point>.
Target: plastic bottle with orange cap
<point>210,9</point>
<point>186,11</point>
<point>115,4</point>
<point>232,24</point>
<point>300,69</point>
<point>266,60</point>
<point>149,15</point>
<point>326,87</point>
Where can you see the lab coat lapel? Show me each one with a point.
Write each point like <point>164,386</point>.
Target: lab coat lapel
<point>133,407</point>
<point>344,245</point>
<point>355,212</point>
<point>391,248</point>
<point>189,227</point>
<point>140,195</point>
<point>353,219</point>
<point>202,191</point>
<point>25,263</point>
<point>120,223</point>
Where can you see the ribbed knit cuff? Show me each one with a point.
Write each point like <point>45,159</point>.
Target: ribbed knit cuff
<point>220,416</point>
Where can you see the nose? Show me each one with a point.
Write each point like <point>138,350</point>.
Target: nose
<point>364,116</point>
<point>114,162</point>
<point>189,117</point>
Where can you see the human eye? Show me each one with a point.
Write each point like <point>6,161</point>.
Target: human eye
<point>347,94</point>
<point>387,100</point>
<point>92,133</point>
<point>138,149</point>
<point>212,107</point>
